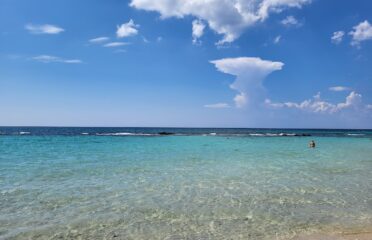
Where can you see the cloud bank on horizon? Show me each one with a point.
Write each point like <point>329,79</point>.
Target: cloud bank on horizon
<point>250,73</point>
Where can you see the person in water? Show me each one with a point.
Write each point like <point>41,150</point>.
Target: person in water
<point>312,144</point>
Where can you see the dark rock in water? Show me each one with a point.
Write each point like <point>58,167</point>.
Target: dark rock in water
<point>303,135</point>
<point>165,133</point>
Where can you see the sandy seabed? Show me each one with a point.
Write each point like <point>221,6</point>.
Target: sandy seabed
<point>365,234</point>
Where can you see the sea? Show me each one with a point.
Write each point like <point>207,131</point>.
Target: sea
<point>182,183</point>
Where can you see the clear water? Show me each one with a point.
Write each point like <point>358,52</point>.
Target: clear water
<point>191,186</point>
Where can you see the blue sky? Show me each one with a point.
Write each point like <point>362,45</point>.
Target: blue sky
<point>239,63</point>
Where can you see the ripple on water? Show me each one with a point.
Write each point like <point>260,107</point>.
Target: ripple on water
<point>182,187</point>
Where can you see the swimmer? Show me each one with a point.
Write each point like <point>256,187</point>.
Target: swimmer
<point>312,144</point>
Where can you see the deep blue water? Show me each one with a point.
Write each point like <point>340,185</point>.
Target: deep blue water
<point>125,131</point>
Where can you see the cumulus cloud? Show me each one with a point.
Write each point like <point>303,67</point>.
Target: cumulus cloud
<point>339,88</point>
<point>226,17</point>
<point>197,30</point>
<point>217,105</point>
<point>115,44</point>
<point>250,72</point>
<point>317,105</point>
<point>54,59</point>
<point>127,29</point>
<point>337,37</point>
<point>290,21</point>
<point>43,29</point>
<point>99,40</point>
<point>361,32</point>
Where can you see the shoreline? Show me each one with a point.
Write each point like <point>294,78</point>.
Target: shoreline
<point>351,234</point>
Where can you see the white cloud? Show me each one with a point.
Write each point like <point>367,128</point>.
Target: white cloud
<point>99,40</point>
<point>43,29</point>
<point>317,105</point>
<point>226,17</point>
<point>369,106</point>
<point>51,59</point>
<point>197,30</point>
<point>339,89</point>
<point>361,32</point>
<point>241,100</point>
<point>277,39</point>
<point>145,40</point>
<point>127,29</point>
<point>250,73</point>
<point>217,105</point>
<point>115,44</point>
<point>290,21</point>
<point>337,37</point>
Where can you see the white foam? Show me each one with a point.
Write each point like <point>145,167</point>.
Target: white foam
<point>213,134</point>
<point>355,134</point>
<point>84,133</point>
<point>24,133</point>
<point>256,134</point>
<point>287,134</point>
<point>124,134</point>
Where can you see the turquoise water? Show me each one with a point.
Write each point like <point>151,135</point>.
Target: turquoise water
<point>182,187</point>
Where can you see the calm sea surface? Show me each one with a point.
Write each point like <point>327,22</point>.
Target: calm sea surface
<point>134,183</point>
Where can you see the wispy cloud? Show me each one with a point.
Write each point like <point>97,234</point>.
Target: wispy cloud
<point>217,105</point>
<point>43,29</point>
<point>99,40</point>
<point>290,21</point>
<point>277,39</point>
<point>54,59</point>
<point>116,44</point>
<point>127,29</point>
<point>120,51</point>
<point>337,37</point>
<point>339,88</point>
<point>145,40</point>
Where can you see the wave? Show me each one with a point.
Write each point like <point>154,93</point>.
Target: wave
<point>256,134</point>
<point>24,133</point>
<point>273,134</point>
<point>356,134</point>
<point>84,133</point>
<point>125,134</point>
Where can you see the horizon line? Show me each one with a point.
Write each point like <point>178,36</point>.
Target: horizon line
<point>304,128</point>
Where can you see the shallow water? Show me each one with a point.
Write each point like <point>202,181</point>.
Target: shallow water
<point>182,187</point>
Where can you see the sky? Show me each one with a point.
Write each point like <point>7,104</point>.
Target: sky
<point>176,63</point>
